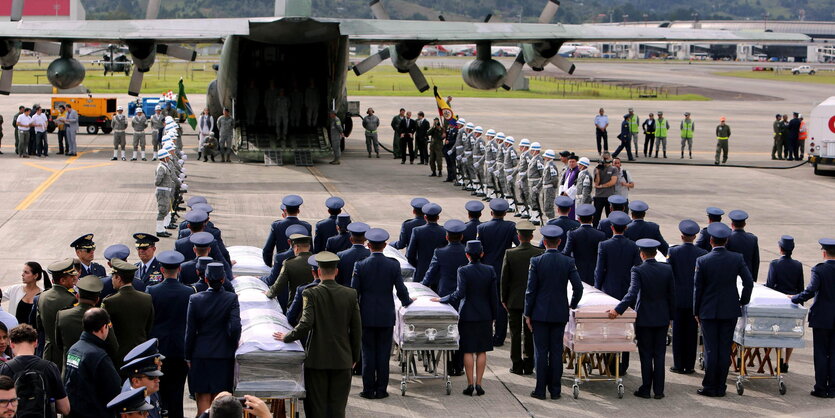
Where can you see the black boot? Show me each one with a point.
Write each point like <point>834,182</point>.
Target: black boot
<point>213,158</point>
<point>199,154</point>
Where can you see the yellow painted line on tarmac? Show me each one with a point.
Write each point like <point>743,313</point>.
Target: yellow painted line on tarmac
<point>56,174</point>
<point>35,165</point>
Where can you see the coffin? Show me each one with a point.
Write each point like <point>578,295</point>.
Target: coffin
<point>406,269</point>
<point>265,367</point>
<point>248,261</point>
<point>589,328</point>
<point>425,325</point>
<point>770,320</point>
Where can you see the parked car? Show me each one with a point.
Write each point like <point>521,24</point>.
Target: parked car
<point>803,69</point>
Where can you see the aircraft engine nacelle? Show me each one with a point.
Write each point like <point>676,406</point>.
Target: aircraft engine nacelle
<point>9,53</point>
<point>144,54</point>
<point>65,73</point>
<point>539,54</point>
<point>404,55</point>
<point>483,74</point>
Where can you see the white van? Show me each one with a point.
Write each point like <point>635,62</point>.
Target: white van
<point>821,141</point>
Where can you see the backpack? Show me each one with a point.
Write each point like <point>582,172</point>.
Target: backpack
<point>31,389</point>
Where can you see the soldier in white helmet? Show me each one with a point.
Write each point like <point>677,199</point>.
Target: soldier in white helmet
<point>119,123</point>
<point>165,182</point>
<point>477,167</point>
<point>509,162</point>
<point>520,180</point>
<point>157,128</point>
<point>467,157</point>
<point>139,123</point>
<point>489,163</point>
<point>535,167</point>
<point>458,148</point>
<point>497,171</point>
<point>550,185</point>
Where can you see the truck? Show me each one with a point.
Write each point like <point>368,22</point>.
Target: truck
<point>803,69</point>
<point>148,104</point>
<point>821,140</point>
<point>94,113</point>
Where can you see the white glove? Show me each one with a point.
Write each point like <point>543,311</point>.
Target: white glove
<point>185,157</point>
<point>184,186</point>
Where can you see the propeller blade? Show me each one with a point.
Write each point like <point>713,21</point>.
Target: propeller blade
<point>177,51</point>
<point>488,17</point>
<point>514,71</point>
<point>17,11</point>
<point>6,82</point>
<point>135,82</point>
<point>418,78</point>
<point>562,63</point>
<point>153,9</point>
<point>549,11</point>
<point>48,48</point>
<point>367,64</point>
<point>378,11</point>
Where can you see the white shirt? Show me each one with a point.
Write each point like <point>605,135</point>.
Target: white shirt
<point>39,121</point>
<point>601,121</point>
<point>24,120</point>
<point>13,294</point>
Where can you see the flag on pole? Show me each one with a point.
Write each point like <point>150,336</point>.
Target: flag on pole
<point>444,109</point>
<point>183,104</point>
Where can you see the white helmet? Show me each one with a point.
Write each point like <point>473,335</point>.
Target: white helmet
<point>162,153</point>
<point>500,136</point>
<point>461,121</point>
<point>536,146</point>
<point>469,125</point>
<point>491,132</point>
<point>584,161</point>
<point>169,119</point>
<point>524,142</point>
<point>510,140</point>
<point>479,129</point>
<point>549,153</point>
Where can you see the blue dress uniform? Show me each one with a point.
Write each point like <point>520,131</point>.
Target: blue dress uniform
<point>170,299</point>
<point>717,304</point>
<point>213,328</point>
<point>349,257</point>
<point>278,262</point>
<point>374,278</point>
<point>90,378</point>
<point>473,207</point>
<point>563,221</point>
<point>202,239</point>
<point>617,203</point>
<point>640,229</point>
<point>785,274</point>
<point>682,258</point>
<point>425,240</point>
<point>190,203</point>
<point>149,274</point>
<point>210,228</point>
<point>275,242</point>
<point>85,243</point>
<point>496,236</point>
<point>822,320</point>
<point>326,228</point>
<point>652,294</point>
<point>582,244</point>
<point>342,241</point>
<point>131,401</point>
<point>546,306</point>
<point>186,246</point>
<point>714,214</point>
<point>147,366</point>
<point>442,273</point>
<point>745,243</point>
<point>410,224</point>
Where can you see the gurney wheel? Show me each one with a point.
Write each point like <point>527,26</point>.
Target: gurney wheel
<point>402,388</point>
<point>701,361</point>
<point>448,387</point>
<point>669,339</point>
<point>782,387</point>
<point>576,390</point>
<point>620,391</point>
<point>739,388</point>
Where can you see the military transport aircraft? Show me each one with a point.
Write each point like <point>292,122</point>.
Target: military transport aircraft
<point>294,52</point>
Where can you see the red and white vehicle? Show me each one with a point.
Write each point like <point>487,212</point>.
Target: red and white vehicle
<point>822,136</point>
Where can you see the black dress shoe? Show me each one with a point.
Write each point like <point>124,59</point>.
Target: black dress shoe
<point>538,396</point>
<point>382,395</point>
<point>456,372</point>
<point>447,181</point>
<point>479,390</point>
<point>469,390</point>
<point>677,370</point>
<point>658,396</point>
<point>520,372</point>
<point>113,159</point>
<point>640,394</point>
<point>163,234</point>
<point>555,396</point>
<point>688,371</point>
<point>367,395</point>
<point>707,393</point>
<point>819,394</point>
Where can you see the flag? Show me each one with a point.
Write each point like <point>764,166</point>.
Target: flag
<point>444,109</point>
<point>169,95</point>
<point>183,104</point>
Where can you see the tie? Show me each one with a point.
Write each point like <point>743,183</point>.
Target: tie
<point>142,271</point>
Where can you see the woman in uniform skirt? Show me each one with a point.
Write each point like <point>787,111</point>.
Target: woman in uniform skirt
<point>785,275</point>
<point>477,292</point>
<point>213,328</point>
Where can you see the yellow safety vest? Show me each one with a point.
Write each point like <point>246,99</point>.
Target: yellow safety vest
<point>687,129</point>
<point>633,124</point>
<point>661,130</point>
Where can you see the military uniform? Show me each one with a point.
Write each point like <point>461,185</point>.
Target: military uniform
<point>723,133</point>
<point>371,123</point>
<point>703,240</point>
<point>276,241</point>
<point>281,115</point>
<point>509,163</point>
<point>157,127</point>
<point>479,162</point>
<point>90,378</point>
<point>496,236</point>
<point>326,228</point>
<point>521,179</point>
<point>166,180</point>
<point>50,302</point>
<point>295,273</point>
<point>335,132</point>
<point>137,364</point>
<point>226,129</point>
<point>550,182</point>
<point>582,243</point>
<point>139,123</point>
<point>342,241</point>
<point>745,243</point>
<point>131,312</point>
<point>563,221</point>
<point>347,259</point>
<point>410,224</point>
<point>459,140</point>
<point>640,229</point>
<point>68,329</point>
<point>785,274</point>
<point>424,241</point>
<point>682,259</point>
<point>119,123</point>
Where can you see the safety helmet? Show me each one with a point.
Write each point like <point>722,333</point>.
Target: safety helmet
<point>479,129</point>
<point>536,146</point>
<point>510,140</point>
<point>163,154</point>
<point>549,153</point>
<point>524,142</point>
<point>461,121</point>
<point>500,136</point>
<point>469,125</point>
<point>491,132</point>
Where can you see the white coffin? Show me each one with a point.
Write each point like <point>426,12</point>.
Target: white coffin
<point>425,325</point>
<point>248,261</point>
<point>589,328</point>
<point>770,320</point>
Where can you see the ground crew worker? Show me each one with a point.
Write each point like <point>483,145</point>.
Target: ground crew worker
<point>139,123</point>
<point>90,377</point>
<point>336,135</point>
<point>550,182</point>
<point>564,204</point>
<point>785,275</point>
<point>295,271</point>
<point>496,236</point>
<point>546,309</point>
<point>371,123</point>
<point>277,240</point>
<point>410,224</point>
<point>331,317</point>
<point>777,148</point>
<point>652,294</point>
<point>226,128</point>
<point>436,149</point>
<point>687,127</point>
<point>119,123</point>
<point>425,240</point>
<point>723,132</point>
<point>157,128</point>
<point>744,243</point>
<point>661,129</point>
<point>634,126</point>
<point>53,300</point>
<point>68,326</point>
<point>802,134</point>
<point>374,280</point>
<point>514,282</point>
<point>649,135</point>
<point>165,180</point>
<point>582,243</point>
<point>395,126</point>
<point>639,228</point>
<point>682,259</point>
<point>717,306</point>
<point>131,311</point>
<point>280,114</point>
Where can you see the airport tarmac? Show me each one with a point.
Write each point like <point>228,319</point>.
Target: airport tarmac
<point>48,202</point>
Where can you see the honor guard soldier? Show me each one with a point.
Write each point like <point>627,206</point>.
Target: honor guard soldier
<point>442,275</point>
<point>326,228</point>
<point>546,310</point>
<point>85,251</point>
<point>682,259</point>
<point>144,373</point>
<point>357,252</point>
<point>278,260</point>
<point>374,280</point>
<point>57,298</point>
<point>514,281</point>
<point>474,209</point>
<point>341,241</point>
<point>496,172</point>
<point>425,240</point>
<point>744,243</point>
<point>564,205</point>
<point>121,252</point>
<point>294,310</point>
<point>157,128</point>
<point>652,295</point>
<point>149,271</point>
<point>509,163</point>
<point>166,181</point>
<point>489,163</point>
<point>520,182</point>
<point>194,200</point>
<point>331,317</point>
<point>410,224</point>
<point>295,271</point>
<point>550,184</point>
<point>822,319</point>
<point>139,123</point>
<point>496,236</point>
<point>535,167</point>
<point>90,378</point>
<point>617,203</point>
<point>170,299</point>
<point>640,229</point>
<point>119,123</point>
<point>714,214</point>
<point>130,404</point>
<point>582,244</point>
<point>68,326</point>
<point>785,275</point>
<point>131,311</point>
<point>458,148</point>
<point>717,305</point>
<point>477,165</point>
<point>615,259</point>
<point>275,242</point>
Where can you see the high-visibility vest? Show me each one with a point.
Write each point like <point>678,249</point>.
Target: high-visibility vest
<point>661,129</point>
<point>801,134</point>
<point>633,124</point>
<point>687,129</point>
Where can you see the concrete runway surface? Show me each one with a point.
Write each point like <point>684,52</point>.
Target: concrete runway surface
<point>48,202</point>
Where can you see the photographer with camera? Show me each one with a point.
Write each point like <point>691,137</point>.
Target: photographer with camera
<point>227,406</point>
<point>605,178</point>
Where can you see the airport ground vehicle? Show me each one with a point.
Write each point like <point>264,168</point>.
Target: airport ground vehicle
<point>148,104</point>
<point>822,137</point>
<point>803,69</point>
<point>94,113</point>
